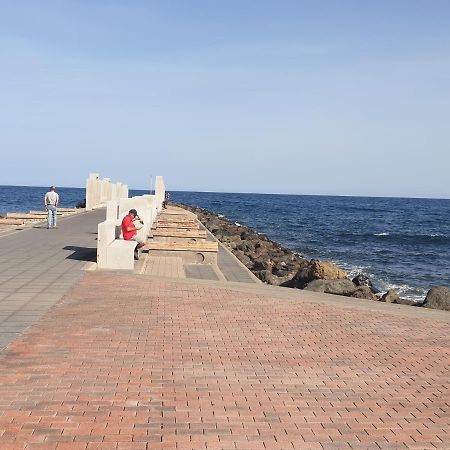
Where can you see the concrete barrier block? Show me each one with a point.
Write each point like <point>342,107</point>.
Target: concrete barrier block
<point>121,255</point>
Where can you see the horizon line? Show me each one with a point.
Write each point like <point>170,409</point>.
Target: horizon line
<point>256,193</point>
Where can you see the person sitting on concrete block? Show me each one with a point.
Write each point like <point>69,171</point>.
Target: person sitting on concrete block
<point>129,230</point>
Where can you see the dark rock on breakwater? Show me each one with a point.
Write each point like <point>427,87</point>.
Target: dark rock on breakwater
<point>277,265</point>
<point>438,298</point>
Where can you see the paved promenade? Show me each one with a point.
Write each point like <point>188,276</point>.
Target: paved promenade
<point>139,361</point>
<point>38,266</point>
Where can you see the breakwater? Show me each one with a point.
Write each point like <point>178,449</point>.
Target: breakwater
<point>401,244</point>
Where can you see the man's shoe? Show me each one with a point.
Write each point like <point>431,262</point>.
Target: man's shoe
<point>137,254</point>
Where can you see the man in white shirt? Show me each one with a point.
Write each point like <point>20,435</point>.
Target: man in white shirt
<point>51,202</point>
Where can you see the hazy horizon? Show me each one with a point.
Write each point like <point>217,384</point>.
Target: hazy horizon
<point>235,192</point>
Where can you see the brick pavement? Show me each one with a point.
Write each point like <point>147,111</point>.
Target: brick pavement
<point>162,266</point>
<point>131,362</point>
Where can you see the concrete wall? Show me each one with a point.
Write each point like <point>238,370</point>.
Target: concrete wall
<point>99,192</point>
<point>160,192</point>
<point>109,231</point>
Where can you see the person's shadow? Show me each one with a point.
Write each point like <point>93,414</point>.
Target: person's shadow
<point>82,253</point>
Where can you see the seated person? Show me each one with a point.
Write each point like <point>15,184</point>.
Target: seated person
<point>129,230</point>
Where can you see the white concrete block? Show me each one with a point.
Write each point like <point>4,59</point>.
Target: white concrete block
<point>106,235</point>
<point>121,255</point>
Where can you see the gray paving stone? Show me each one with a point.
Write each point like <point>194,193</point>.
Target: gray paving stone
<point>6,338</point>
<point>37,269</point>
<point>200,271</point>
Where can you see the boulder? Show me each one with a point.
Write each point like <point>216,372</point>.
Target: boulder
<point>244,259</point>
<point>391,296</point>
<point>249,235</point>
<point>262,264</point>
<point>336,287</point>
<point>316,286</point>
<point>340,287</point>
<point>364,292</point>
<point>363,280</point>
<point>267,277</point>
<point>438,298</point>
<point>405,301</point>
<point>317,270</point>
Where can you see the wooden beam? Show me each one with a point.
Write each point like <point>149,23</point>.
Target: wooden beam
<point>177,225</point>
<point>25,216</point>
<point>174,232</point>
<point>6,221</point>
<point>44,213</point>
<point>197,246</point>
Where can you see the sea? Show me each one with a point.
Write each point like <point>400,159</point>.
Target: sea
<point>399,243</point>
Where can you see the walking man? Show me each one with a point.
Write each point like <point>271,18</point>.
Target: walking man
<point>51,202</point>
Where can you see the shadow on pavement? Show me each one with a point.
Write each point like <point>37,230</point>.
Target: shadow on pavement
<point>82,253</point>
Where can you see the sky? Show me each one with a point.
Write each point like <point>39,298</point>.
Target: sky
<point>298,97</point>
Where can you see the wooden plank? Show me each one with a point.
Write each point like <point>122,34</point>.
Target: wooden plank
<point>25,216</point>
<point>177,225</point>
<point>198,246</point>
<point>174,211</point>
<point>44,213</point>
<point>176,222</point>
<point>59,210</point>
<point>174,232</point>
<point>6,221</point>
<point>175,217</point>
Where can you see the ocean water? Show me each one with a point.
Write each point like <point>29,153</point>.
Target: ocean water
<point>400,243</point>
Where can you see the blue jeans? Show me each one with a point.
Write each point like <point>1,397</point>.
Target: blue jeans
<point>51,216</point>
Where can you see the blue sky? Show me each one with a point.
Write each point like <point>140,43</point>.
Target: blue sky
<point>301,97</point>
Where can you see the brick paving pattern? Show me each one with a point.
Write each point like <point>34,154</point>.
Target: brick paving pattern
<point>130,362</point>
<point>163,266</point>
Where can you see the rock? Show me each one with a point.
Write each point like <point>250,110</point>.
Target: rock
<point>316,286</point>
<point>340,287</point>
<point>244,259</point>
<point>363,280</point>
<point>438,298</point>
<point>246,246</point>
<point>364,292</point>
<point>317,270</point>
<point>248,235</point>
<point>267,277</point>
<point>262,264</point>
<point>405,301</point>
<point>391,296</point>
<point>336,287</point>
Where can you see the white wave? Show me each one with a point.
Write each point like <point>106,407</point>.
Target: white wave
<point>353,271</point>
<point>237,224</point>
<point>404,290</point>
<point>220,216</point>
<point>381,234</point>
